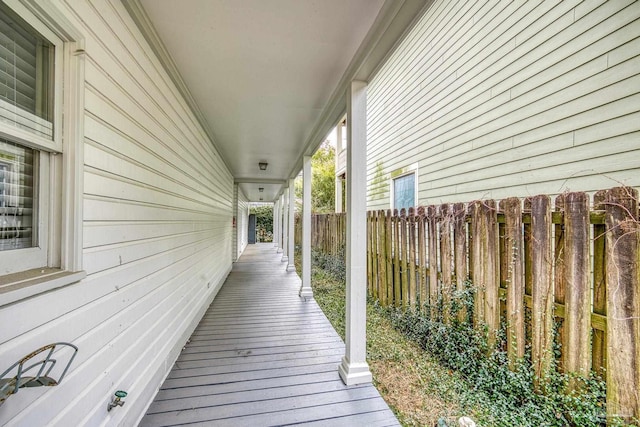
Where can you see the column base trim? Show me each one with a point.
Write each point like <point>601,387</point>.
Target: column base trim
<point>279,251</point>
<point>354,373</point>
<point>291,267</point>
<point>305,292</point>
<point>284,258</point>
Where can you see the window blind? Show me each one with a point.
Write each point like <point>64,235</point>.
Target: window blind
<point>26,60</point>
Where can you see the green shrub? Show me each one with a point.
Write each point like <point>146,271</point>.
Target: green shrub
<point>497,395</point>
<point>332,265</point>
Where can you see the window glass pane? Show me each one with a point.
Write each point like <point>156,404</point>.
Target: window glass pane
<point>16,196</point>
<point>404,192</point>
<point>26,76</point>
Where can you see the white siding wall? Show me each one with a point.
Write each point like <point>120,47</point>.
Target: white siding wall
<point>241,213</point>
<point>496,99</point>
<point>157,237</point>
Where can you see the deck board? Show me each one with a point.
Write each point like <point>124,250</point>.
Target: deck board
<point>262,356</point>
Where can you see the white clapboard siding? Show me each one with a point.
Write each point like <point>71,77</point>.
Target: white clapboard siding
<point>241,225</point>
<point>157,235</point>
<point>242,222</point>
<point>497,99</point>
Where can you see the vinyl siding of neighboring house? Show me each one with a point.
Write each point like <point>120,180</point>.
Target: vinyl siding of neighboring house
<point>157,237</point>
<point>241,215</point>
<point>498,99</point>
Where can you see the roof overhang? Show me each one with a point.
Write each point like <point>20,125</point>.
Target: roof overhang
<point>305,58</point>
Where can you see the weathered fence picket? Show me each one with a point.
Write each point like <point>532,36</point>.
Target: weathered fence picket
<point>623,302</point>
<point>577,325</point>
<point>559,279</point>
<point>432,237</point>
<point>598,340</point>
<point>460,252</point>
<point>540,261</point>
<point>446,262</point>
<point>396,259</point>
<point>411,262</point>
<point>514,278</point>
<point>574,270</point>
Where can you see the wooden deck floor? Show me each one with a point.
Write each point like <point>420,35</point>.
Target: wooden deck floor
<point>261,356</point>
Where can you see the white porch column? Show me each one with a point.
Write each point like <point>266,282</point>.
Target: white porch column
<point>280,224</point>
<point>276,211</point>
<point>285,225</point>
<point>305,289</point>
<point>292,225</point>
<point>354,368</point>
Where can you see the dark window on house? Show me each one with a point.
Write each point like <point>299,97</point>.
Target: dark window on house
<point>404,191</point>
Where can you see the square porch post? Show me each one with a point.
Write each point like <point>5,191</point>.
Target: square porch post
<point>280,207</point>
<point>291,241</point>
<point>285,225</point>
<point>305,289</point>
<point>276,211</point>
<point>354,368</point>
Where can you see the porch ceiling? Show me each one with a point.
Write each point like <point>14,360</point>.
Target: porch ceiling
<point>267,77</point>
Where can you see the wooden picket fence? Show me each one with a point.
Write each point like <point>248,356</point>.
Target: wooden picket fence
<point>531,265</point>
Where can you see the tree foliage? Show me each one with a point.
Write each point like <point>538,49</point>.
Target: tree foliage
<point>264,217</point>
<point>323,167</point>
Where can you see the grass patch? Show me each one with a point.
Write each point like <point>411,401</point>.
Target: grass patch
<point>417,389</point>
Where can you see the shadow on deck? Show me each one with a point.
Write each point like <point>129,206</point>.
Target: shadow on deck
<point>262,356</point>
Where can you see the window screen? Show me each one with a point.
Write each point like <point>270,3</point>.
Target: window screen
<point>404,191</point>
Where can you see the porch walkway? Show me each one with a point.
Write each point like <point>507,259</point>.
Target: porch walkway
<point>261,356</point>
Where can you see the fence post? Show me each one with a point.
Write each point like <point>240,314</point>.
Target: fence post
<point>514,279</point>
<point>623,303</point>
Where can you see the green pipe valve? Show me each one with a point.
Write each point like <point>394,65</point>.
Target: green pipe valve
<point>118,400</point>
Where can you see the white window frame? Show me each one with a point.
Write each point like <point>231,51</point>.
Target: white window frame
<point>400,173</point>
<point>57,259</point>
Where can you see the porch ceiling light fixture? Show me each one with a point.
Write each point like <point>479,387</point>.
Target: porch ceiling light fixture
<point>261,189</point>
<point>263,166</point>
